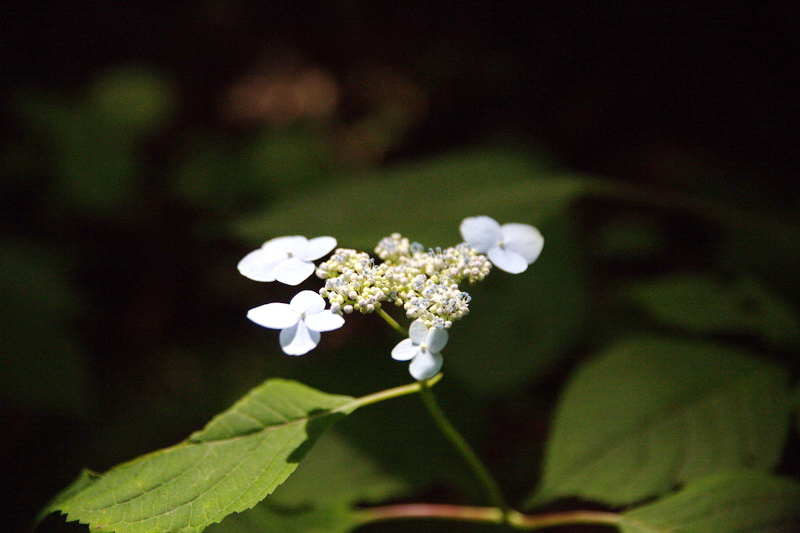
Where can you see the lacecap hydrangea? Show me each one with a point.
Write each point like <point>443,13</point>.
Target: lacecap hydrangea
<point>424,282</point>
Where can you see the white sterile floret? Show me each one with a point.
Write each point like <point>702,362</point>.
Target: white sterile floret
<point>422,349</point>
<point>286,259</point>
<point>510,247</point>
<point>300,321</point>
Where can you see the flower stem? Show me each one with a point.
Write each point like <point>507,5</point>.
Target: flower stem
<point>392,322</point>
<point>493,492</point>
<point>491,515</point>
<point>388,394</point>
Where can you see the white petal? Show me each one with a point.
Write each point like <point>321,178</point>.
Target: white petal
<point>298,339</point>
<point>418,331</point>
<point>405,350</point>
<point>293,271</point>
<point>307,302</point>
<point>316,248</point>
<point>437,339</point>
<point>292,243</point>
<point>275,316</point>
<point>260,264</point>
<point>507,260</point>
<point>425,365</point>
<point>482,233</point>
<point>324,321</point>
<point>523,239</point>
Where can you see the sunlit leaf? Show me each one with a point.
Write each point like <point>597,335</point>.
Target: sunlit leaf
<point>699,303</point>
<point>239,458</point>
<point>320,495</point>
<point>724,503</point>
<point>651,413</point>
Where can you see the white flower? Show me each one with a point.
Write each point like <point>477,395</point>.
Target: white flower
<point>300,321</point>
<point>510,247</point>
<point>422,349</point>
<point>286,259</point>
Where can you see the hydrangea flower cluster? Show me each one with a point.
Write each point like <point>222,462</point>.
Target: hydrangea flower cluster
<point>425,283</point>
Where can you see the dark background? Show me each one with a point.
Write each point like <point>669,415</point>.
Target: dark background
<point>123,310</point>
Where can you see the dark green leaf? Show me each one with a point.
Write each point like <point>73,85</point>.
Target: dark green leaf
<point>132,99</point>
<point>270,518</point>
<point>519,325</point>
<point>724,503</point>
<point>651,413</point>
<point>703,304</point>
<point>42,364</point>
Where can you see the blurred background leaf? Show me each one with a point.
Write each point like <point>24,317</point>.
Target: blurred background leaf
<point>497,183</point>
<point>702,304</point>
<point>43,362</point>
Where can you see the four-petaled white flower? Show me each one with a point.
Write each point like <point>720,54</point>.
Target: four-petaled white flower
<point>286,259</point>
<point>422,349</point>
<point>300,321</point>
<point>510,247</point>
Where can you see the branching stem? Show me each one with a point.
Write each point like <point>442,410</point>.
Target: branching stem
<point>492,515</point>
<point>490,486</point>
<point>493,492</point>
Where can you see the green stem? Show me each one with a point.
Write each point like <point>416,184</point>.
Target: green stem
<point>493,492</point>
<point>388,394</point>
<point>392,322</point>
<point>491,515</point>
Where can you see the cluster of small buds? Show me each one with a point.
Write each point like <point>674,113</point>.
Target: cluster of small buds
<point>352,281</point>
<point>424,283</point>
<point>394,247</point>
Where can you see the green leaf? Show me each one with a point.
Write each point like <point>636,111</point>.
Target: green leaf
<point>724,503</point>
<point>239,458</point>
<point>337,472</point>
<point>651,413</point>
<point>702,304</point>
<point>425,201</point>
<point>84,480</point>
<point>269,517</point>
<point>319,495</point>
